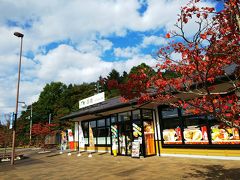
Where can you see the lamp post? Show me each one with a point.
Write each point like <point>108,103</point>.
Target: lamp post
<point>20,35</point>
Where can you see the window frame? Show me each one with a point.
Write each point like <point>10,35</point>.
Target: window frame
<point>182,118</point>
<point>105,127</point>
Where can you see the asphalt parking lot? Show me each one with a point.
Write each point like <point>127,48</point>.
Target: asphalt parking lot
<point>52,165</point>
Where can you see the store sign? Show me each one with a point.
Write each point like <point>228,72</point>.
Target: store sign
<point>92,100</point>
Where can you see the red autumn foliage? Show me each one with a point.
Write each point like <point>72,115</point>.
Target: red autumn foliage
<point>168,35</point>
<point>111,84</point>
<point>5,136</point>
<point>40,131</point>
<point>202,84</point>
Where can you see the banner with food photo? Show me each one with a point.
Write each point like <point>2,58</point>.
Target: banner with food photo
<point>225,135</point>
<point>172,136</point>
<point>195,135</point>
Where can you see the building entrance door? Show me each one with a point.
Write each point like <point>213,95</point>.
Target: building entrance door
<point>122,137</point>
<point>134,135</point>
<point>125,138</point>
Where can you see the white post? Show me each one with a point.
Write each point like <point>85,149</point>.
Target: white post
<point>49,118</point>
<point>30,128</point>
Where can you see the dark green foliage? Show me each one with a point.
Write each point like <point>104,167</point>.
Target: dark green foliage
<point>57,100</point>
<point>114,75</point>
<point>170,74</point>
<point>147,69</point>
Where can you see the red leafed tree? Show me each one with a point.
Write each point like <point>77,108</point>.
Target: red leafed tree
<point>5,136</point>
<point>40,131</point>
<point>199,72</point>
<point>2,135</point>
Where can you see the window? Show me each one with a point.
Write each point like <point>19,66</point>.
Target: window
<point>101,131</point>
<point>195,130</point>
<point>171,126</point>
<point>169,112</point>
<point>85,132</point>
<point>136,114</point>
<point>108,123</point>
<point>124,116</point>
<point>94,130</point>
<point>108,130</point>
<point>147,114</point>
<point>172,131</point>
<point>223,135</point>
<point>114,118</point>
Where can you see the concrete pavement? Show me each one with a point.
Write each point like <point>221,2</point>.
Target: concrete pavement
<point>104,166</point>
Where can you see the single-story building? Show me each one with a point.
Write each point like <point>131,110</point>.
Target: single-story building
<point>154,129</point>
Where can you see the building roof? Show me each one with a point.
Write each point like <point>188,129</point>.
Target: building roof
<point>107,105</point>
<point>116,103</point>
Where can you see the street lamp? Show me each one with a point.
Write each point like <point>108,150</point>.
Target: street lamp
<point>20,35</point>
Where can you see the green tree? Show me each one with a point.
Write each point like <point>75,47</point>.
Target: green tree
<point>124,77</point>
<point>143,67</point>
<point>114,75</point>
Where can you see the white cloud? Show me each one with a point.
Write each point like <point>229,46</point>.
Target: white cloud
<point>126,52</point>
<point>87,25</point>
<point>73,66</point>
<point>95,46</point>
<point>153,40</point>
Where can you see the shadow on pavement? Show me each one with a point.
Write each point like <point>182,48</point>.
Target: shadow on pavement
<point>130,171</point>
<point>214,172</point>
<point>26,161</point>
<point>103,153</point>
<point>52,155</point>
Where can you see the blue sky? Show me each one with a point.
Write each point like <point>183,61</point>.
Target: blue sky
<point>77,41</point>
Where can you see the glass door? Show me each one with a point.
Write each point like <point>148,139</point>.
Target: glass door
<point>122,139</point>
<point>129,137</point>
<point>125,138</point>
<point>137,147</point>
